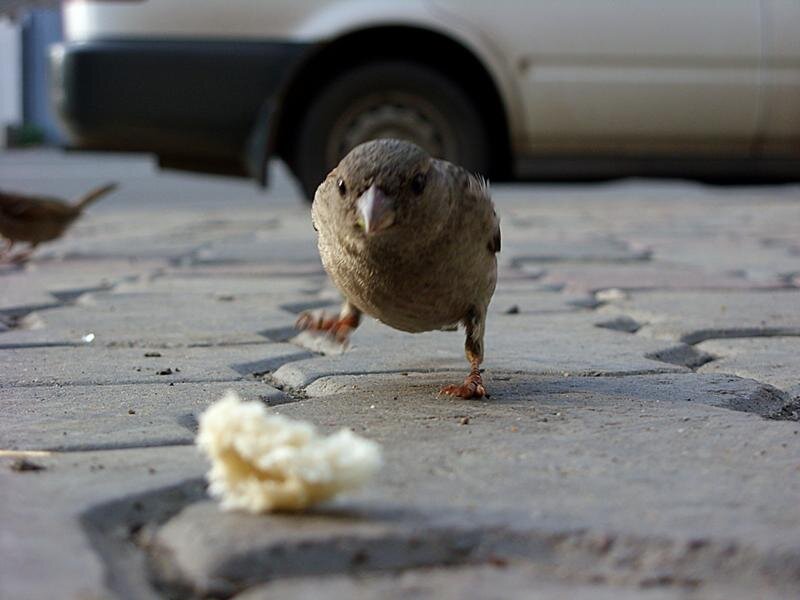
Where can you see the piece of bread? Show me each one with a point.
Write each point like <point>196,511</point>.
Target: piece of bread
<point>262,461</point>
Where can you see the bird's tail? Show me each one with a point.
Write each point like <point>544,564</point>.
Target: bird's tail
<point>95,194</point>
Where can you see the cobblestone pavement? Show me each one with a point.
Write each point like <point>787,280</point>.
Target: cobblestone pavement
<point>641,439</point>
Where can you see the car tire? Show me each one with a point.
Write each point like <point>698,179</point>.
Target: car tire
<point>398,99</point>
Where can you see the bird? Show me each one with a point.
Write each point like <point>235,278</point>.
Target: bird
<point>410,240</point>
<point>36,219</point>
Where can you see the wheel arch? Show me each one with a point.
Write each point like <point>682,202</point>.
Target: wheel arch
<point>430,48</point>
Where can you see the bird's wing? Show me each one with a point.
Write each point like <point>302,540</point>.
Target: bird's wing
<point>475,199</point>
<point>27,208</point>
<point>494,245</point>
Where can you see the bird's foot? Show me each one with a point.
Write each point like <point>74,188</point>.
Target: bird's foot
<point>471,388</point>
<point>339,328</point>
<point>20,258</point>
<point>5,251</point>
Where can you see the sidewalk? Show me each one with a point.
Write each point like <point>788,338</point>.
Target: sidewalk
<point>641,439</point>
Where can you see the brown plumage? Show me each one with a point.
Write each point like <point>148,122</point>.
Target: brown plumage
<point>36,219</point>
<point>411,241</point>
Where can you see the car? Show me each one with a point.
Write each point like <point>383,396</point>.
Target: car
<point>543,88</point>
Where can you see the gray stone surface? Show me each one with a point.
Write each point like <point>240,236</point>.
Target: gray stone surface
<point>773,360</point>
<point>602,466</point>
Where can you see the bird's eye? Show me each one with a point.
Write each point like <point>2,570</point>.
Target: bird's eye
<point>418,183</point>
<point>342,187</point>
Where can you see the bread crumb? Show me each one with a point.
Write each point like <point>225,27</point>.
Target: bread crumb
<point>263,462</point>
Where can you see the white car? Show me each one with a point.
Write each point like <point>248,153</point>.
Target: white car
<point>537,88</point>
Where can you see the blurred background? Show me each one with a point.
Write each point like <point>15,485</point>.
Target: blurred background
<point>540,90</point>
<point>26,32</point>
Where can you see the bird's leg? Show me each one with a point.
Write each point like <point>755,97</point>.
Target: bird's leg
<point>24,256</point>
<point>473,384</point>
<point>9,243</point>
<point>339,327</point>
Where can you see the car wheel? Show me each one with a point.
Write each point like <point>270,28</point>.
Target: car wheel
<point>395,99</point>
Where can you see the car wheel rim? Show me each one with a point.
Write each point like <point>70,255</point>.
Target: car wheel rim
<point>396,115</point>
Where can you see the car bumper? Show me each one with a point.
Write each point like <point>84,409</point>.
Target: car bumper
<point>198,105</point>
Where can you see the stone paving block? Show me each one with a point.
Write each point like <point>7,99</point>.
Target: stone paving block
<point>95,365</point>
<point>718,389</point>
<point>161,318</point>
<point>773,360</point>
<point>550,343</point>
<point>56,533</point>
<point>80,417</point>
<point>693,316</point>
<point>649,276</point>
<point>579,472</point>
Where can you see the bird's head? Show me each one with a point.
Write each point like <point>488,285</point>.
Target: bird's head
<point>382,186</point>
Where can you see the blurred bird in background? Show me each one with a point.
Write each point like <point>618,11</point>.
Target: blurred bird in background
<point>411,241</point>
<point>35,219</point>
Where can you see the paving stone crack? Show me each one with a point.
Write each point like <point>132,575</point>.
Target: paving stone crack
<point>685,354</point>
<point>117,530</point>
<point>165,380</point>
<point>88,447</point>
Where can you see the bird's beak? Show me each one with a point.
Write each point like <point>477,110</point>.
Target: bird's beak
<point>375,210</point>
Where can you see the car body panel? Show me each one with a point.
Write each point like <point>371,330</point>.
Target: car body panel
<point>609,75</point>
<point>780,123</point>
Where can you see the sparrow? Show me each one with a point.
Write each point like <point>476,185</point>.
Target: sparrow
<point>411,241</point>
<point>35,219</point>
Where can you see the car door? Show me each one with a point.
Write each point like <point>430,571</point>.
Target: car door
<point>637,75</point>
<point>780,132</point>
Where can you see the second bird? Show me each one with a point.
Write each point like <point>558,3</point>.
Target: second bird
<point>36,219</point>
<point>410,240</point>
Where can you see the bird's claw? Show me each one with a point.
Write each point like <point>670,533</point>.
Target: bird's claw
<point>313,320</point>
<point>20,258</point>
<point>471,388</point>
<point>337,328</point>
